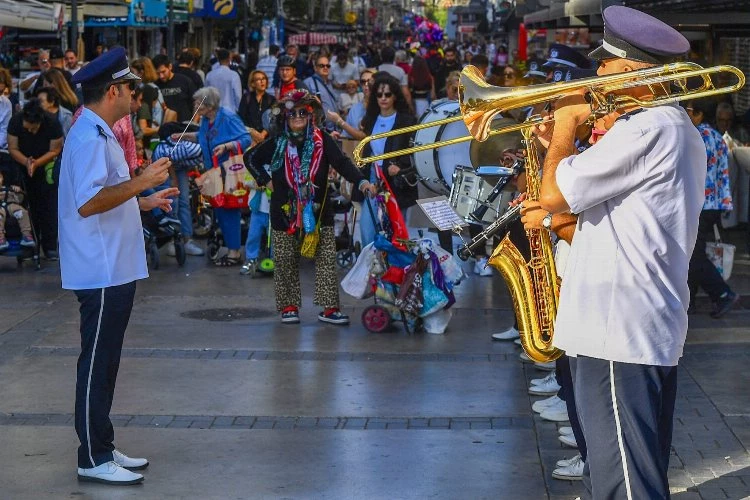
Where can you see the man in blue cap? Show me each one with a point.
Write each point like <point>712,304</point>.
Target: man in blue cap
<point>102,254</point>
<point>622,309</point>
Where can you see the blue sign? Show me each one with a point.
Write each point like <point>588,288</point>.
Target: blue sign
<point>142,14</point>
<point>222,9</point>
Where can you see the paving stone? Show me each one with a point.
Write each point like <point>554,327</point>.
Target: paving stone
<point>285,423</point>
<point>355,423</point>
<point>263,424</point>
<point>162,420</point>
<point>224,422</point>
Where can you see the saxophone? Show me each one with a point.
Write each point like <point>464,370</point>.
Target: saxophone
<point>533,285</point>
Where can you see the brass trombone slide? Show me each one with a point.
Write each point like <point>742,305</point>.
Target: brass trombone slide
<point>480,102</point>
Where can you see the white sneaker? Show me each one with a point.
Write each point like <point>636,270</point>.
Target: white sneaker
<point>565,431</point>
<point>481,268</point>
<point>509,334</point>
<point>567,461</point>
<point>170,249</point>
<point>109,473</point>
<point>543,404</point>
<point>548,388</point>
<point>518,342</point>
<point>123,460</point>
<point>572,472</point>
<point>544,380</point>
<point>192,249</point>
<point>568,441</point>
<point>549,366</point>
<point>558,412</point>
<point>525,357</point>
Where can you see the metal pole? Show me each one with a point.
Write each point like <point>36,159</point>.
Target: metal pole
<point>170,31</point>
<point>74,27</point>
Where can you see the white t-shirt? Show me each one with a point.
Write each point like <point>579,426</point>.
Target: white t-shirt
<point>638,193</point>
<point>396,72</point>
<point>105,249</point>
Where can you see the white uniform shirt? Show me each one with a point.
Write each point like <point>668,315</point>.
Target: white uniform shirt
<point>105,249</point>
<point>638,193</point>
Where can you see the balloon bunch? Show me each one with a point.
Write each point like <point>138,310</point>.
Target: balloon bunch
<point>424,31</point>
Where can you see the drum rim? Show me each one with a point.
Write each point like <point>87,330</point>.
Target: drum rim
<point>435,152</point>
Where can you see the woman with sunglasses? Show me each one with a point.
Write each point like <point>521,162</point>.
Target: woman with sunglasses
<point>387,110</point>
<point>301,156</point>
<point>254,103</point>
<point>351,127</point>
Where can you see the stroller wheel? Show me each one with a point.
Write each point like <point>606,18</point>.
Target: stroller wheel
<point>179,251</point>
<point>202,225</point>
<point>213,250</point>
<point>345,259</point>
<point>376,319</point>
<point>153,255</point>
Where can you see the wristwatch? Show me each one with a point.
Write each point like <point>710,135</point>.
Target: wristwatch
<point>547,221</point>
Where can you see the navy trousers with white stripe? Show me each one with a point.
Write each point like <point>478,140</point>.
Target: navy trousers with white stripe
<point>105,313</point>
<point>626,414</point>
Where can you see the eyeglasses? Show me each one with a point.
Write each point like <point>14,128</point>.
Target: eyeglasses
<point>323,65</point>
<point>365,82</point>
<point>387,95</point>
<point>261,79</point>
<point>129,83</point>
<point>297,113</point>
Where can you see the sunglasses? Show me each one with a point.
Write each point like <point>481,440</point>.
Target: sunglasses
<point>365,82</point>
<point>297,113</point>
<point>130,84</point>
<point>323,65</point>
<point>387,95</point>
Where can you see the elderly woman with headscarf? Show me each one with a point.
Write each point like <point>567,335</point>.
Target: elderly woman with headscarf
<point>221,133</point>
<point>300,158</point>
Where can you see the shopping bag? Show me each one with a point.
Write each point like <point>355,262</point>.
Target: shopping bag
<point>437,322</point>
<point>210,182</point>
<point>721,255</point>
<point>433,298</point>
<point>357,281</point>
<point>236,194</point>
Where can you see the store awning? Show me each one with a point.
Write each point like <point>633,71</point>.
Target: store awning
<point>312,38</point>
<point>31,14</point>
<point>563,14</point>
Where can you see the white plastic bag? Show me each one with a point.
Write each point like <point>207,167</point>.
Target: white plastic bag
<point>451,270</point>
<point>721,255</point>
<point>437,322</point>
<point>357,280</point>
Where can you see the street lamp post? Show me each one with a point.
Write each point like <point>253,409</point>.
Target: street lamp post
<point>170,31</point>
<point>74,27</point>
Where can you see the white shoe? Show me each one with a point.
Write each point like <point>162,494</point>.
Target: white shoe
<point>109,473</point>
<point>545,379</point>
<point>548,388</point>
<point>572,472</point>
<point>509,334</point>
<point>543,404</point>
<point>565,431</point>
<point>170,249</point>
<point>518,342</point>
<point>525,357</point>
<point>481,268</point>
<point>192,249</point>
<point>123,460</point>
<point>558,412</point>
<point>568,441</point>
<point>549,366</point>
<point>567,461</point>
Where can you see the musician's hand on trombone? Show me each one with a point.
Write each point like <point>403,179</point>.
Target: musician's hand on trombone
<point>572,109</point>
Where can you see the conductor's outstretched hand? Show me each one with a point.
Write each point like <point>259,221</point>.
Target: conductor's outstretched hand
<point>160,199</point>
<point>156,173</point>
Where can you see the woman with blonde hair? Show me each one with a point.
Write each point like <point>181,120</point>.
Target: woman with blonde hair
<point>55,78</point>
<point>255,102</point>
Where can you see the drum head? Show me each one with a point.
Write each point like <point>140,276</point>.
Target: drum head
<point>436,166</point>
<point>490,152</point>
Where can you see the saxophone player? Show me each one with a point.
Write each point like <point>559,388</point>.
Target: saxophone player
<point>622,315</point>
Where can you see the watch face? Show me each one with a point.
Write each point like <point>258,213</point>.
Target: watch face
<point>547,221</point>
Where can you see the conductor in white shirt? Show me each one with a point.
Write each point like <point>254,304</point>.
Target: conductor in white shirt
<point>622,315</point>
<point>102,254</point>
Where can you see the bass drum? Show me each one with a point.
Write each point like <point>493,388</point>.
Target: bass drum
<point>435,166</point>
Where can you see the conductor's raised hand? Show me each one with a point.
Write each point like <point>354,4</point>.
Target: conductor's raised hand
<point>160,199</point>
<point>156,173</point>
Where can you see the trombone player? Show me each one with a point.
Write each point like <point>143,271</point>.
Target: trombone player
<point>622,313</point>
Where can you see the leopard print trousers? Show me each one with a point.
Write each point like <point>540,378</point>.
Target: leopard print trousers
<point>286,251</point>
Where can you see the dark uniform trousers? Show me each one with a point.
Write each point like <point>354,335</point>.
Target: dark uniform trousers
<point>104,317</point>
<point>626,412</point>
<point>567,393</point>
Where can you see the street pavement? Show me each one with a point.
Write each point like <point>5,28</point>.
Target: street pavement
<point>226,402</point>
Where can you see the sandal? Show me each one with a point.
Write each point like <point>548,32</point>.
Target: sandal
<point>227,261</point>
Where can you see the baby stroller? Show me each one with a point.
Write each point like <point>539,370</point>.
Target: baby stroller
<point>156,235</point>
<point>17,247</point>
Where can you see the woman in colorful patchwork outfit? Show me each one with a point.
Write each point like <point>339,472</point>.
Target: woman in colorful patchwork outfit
<point>300,157</point>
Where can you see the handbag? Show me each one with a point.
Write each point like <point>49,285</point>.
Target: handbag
<point>310,241</point>
<point>721,255</point>
<point>234,194</point>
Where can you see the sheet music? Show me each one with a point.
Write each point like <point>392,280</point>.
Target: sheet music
<point>441,213</point>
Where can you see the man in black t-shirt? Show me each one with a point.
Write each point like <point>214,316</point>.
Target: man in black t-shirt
<point>34,141</point>
<point>185,67</point>
<point>177,90</point>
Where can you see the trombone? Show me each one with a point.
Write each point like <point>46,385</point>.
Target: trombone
<point>480,102</point>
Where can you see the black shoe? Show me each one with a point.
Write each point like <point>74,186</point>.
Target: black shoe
<point>724,304</point>
<point>51,255</point>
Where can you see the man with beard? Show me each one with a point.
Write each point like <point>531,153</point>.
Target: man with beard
<point>450,63</point>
